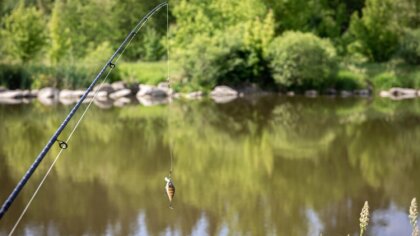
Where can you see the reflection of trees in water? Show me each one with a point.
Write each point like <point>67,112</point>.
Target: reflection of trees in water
<point>254,166</point>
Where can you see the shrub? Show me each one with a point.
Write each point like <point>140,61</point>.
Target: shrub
<point>348,80</point>
<point>14,77</point>
<point>386,80</point>
<point>410,47</point>
<point>24,32</point>
<point>302,60</point>
<point>235,55</point>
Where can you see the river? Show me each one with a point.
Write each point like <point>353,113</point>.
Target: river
<point>264,166</point>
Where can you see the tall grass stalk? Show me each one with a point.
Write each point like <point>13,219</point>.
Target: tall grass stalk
<point>413,217</point>
<point>364,218</point>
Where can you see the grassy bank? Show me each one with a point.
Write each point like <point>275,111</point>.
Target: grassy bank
<point>143,72</point>
<point>33,76</point>
<point>350,76</point>
<point>381,76</point>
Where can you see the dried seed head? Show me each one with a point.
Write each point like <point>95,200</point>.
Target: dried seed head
<point>415,232</point>
<point>413,217</point>
<point>413,213</point>
<point>364,218</point>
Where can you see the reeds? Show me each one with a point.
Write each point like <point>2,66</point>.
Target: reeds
<point>413,217</point>
<point>364,218</point>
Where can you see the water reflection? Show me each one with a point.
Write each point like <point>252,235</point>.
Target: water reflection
<point>270,166</point>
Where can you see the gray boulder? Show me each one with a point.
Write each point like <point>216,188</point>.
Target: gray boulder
<point>122,101</point>
<point>362,92</point>
<point>331,92</point>
<point>67,100</point>
<point>345,93</point>
<point>290,93</point>
<point>104,104</point>
<point>152,101</point>
<point>311,93</point>
<point>97,94</point>
<point>12,94</point>
<point>48,100</point>
<point>48,93</point>
<point>11,101</point>
<point>119,85</point>
<point>102,96</point>
<point>402,93</point>
<point>164,85</point>
<point>223,91</point>
<point>397,92</point>
<point>33,93</point>
<point>105,87</point>
<point>120,93</point>
<point>151,91</point>
<point>385,94</point>
<point>65,93</point>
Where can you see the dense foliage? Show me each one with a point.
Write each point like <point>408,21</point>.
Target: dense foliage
<point>233,54</point>
<point>375,33</point>
<point>410,46</point>
<point>212,41</point>
<point>24,33</point>
<point>302,59</point>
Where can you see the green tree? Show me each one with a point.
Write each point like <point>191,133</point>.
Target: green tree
<point>410,46</point>
<point>152,47</point>
<point>59,34</point>
<point>87,23</point>
<point>24,32</point>
<point>407,13</point>
<point>222,41</point>
<point>127,13</point>
<point>375,33</point>
<point>326,18</point>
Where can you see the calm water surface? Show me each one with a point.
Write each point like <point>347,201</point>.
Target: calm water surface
<point>267,166</point>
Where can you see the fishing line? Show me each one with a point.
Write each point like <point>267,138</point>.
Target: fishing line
<point>58,156</point>
<point>170,188</point>
<point>169,82</point>
<point>64,144</point>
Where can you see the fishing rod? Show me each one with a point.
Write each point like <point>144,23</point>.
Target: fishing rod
<point>63,144</point>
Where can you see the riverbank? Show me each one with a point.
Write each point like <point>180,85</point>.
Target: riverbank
<point>144,82</point>
<point>121,93</point>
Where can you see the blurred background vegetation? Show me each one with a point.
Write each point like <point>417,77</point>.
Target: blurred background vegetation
<point>277,44</point>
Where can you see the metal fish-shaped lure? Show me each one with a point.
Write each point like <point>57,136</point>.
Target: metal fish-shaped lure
<point>170,190</point>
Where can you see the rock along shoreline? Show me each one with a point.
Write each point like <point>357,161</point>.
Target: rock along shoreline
<point>120,94</point>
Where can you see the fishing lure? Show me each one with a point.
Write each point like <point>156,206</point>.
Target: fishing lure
<point>170,190</point>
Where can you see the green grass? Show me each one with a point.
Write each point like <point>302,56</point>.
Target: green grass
<point>382,75</point>
<point>350,76</point>
<point>349,80</point>
<point>143,72</point>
